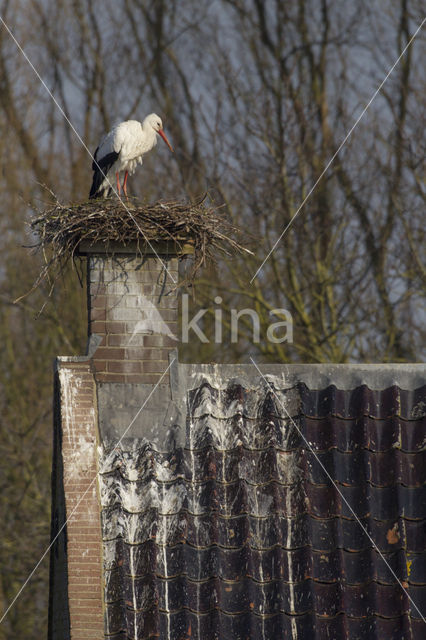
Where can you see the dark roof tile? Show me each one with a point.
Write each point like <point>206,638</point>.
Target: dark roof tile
<point>241,534</point>
<point>365,432</point>
<point>416,567</point>
<point>362,401</point>
<point>362,466</point>
<point>418,594</point>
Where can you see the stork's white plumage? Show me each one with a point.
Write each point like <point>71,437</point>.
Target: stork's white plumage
<point>122,149</point>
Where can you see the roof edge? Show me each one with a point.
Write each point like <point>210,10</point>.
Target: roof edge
<point>316,376</point>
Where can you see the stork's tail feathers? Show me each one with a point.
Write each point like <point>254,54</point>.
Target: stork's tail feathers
<point>100,187</point>
<point>100,184</point>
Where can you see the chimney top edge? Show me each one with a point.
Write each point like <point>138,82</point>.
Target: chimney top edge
<point>135,247</point>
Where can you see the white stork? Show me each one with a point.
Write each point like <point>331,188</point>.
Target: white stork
<point>122,149</point>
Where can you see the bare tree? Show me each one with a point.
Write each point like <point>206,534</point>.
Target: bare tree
<point>294,92</point>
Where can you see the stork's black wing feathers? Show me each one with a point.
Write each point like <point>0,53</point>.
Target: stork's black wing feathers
<point>100,169</point>
<point>106,162</point>
<point>94,163</point>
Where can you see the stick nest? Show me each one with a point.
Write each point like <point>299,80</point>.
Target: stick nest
<point>61,228</point>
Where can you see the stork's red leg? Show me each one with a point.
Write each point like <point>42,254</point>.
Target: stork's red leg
<point>118,183</point>
<point>124,183</point>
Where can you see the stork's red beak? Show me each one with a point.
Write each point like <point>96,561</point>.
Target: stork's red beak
<point>163,135</point>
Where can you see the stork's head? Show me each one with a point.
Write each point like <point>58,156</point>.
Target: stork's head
<point>155,122</point>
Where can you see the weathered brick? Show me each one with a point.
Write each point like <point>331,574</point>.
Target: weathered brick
<point>86,391</point>
<point>168,302</point>
<point>96,276</point>
<point>151,277</point>
<point>97,327</point>
<point>168,315</point>
<point>154,340</point>
<point>144,378</point>
<point>83,519</point>
<point>110,377</point>
<point>85,635</point>
<point>173,326</point>
<point>133,301</point>
<point>99,301</point>
<point>87,606</point>
<point>84,401</point>
<point>84,543</point>
<point>170,342</point>
<point>86,623</point>
<point>126,314</point>
<point>154,366</point>
<point>122,289</point>
<point>150,289</point>
<point>81,483</point>
<point>125,366</point>
<point>134,340</point>
<point>94,612</point>
<point>88,555</point>
<point>76,548</point>
<point>100,365</point>
<point>84,581</point>
<point>98,288</point>
<point>118,339</point>
<point>86,532</point>
<point>98,314</point>
<point>135,353</point>
<point>83,369</point>
<point>115,327</point>
<point>85,570</point>
<point>109,353</point>
<point>134,329</point>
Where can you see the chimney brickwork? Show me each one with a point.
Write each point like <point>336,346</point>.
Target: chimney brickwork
<point>133,311</point>
<point>133,327</point>
<point>82,505</point>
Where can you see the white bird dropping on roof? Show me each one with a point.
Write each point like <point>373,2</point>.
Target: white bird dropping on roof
<point>122,149</point>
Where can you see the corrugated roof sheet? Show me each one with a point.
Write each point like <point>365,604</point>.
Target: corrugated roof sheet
<point>241,534</point>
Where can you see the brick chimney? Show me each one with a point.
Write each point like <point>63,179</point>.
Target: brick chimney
<point>133,313</point>
<point>133,307</point>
